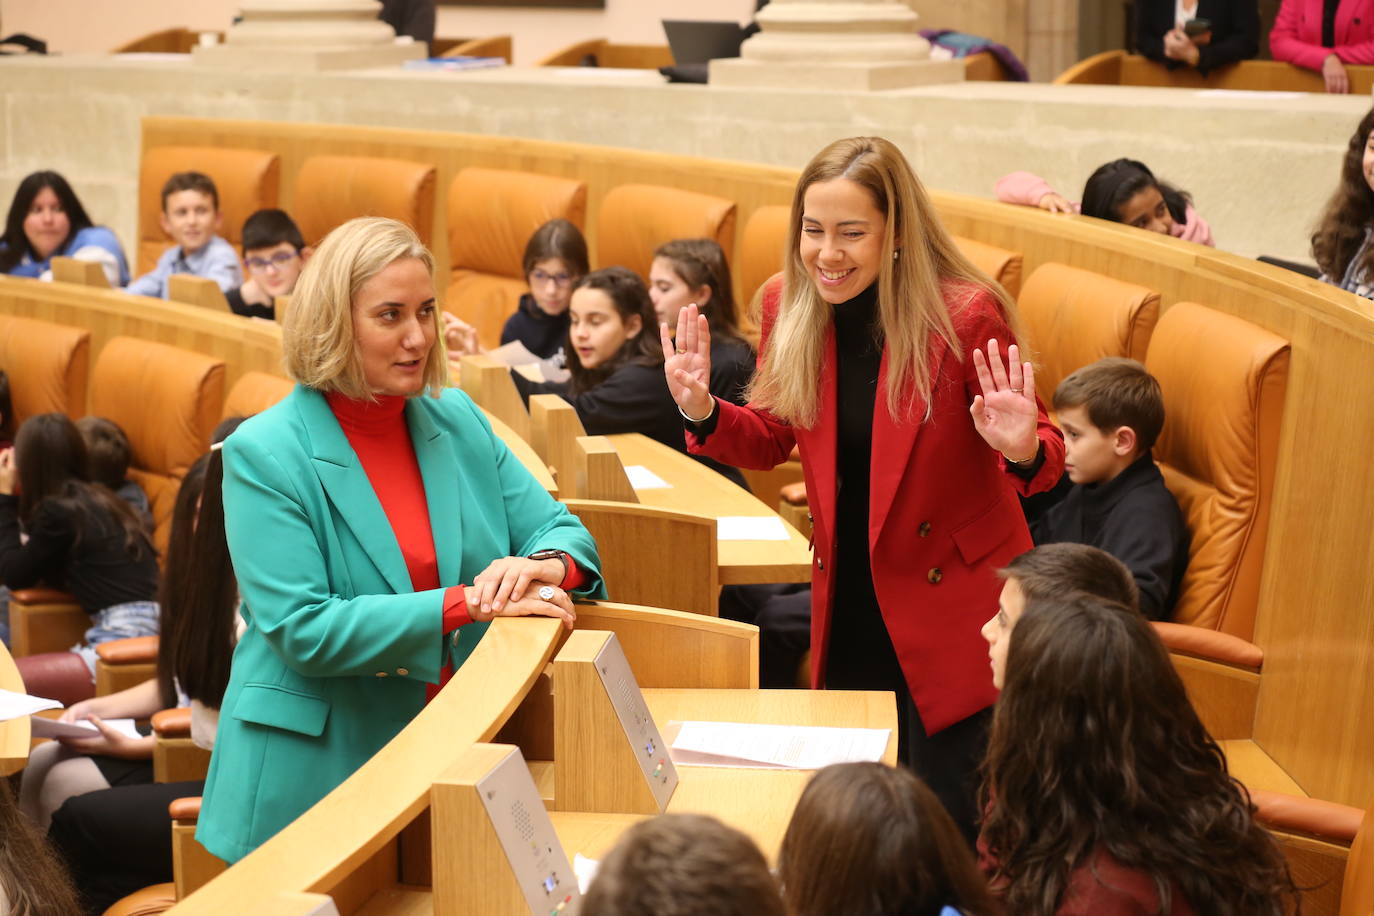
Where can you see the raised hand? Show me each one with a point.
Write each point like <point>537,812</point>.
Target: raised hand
<point>1005,413</point>
<point>687,363</point>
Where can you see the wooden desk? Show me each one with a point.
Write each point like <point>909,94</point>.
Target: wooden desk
<point>697,488</point>
<point>14,734</point>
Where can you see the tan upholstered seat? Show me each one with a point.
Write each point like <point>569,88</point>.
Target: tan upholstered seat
<point>330,190</point>
<point>1224,381</point>
<point>246,179</point>
<point>762,248</point>
<point>1000,264</point>
<point>636,218</point>
<point>1075,317</point>
<point>491,215</point>
<point>254,392</point>
<point>167,401</point>
<point>47,365</point>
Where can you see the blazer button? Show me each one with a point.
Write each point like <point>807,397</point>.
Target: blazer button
<point>381,674</point>
<point>934,576</point>
<point>820,564</point>
<point>402,671</point>
<point>924,530</point>
<point>809,518</point>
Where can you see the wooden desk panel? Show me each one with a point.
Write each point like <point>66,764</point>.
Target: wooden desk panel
<point>525,452</point>
<point>14,734</point>
<point>697,488</point>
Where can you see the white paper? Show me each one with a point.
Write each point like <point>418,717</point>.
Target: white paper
<point>750,528</point>
<point>585,869</point>
<point>51,728</point>
<point>13,705</point>
<point>641,478</point>
<point>788,747</point>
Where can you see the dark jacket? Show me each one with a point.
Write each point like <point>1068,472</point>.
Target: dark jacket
<point>1235,31</point>
<point>732,368</point>
<point>543,334</point>
<point>1134,518</point>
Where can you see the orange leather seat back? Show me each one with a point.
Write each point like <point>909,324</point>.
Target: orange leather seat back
<point>167,400</point>
<point>254,392</point>
<point>637,218</point>
<point>1075,317</point>
<point>762,250</point>
<point>1224,381</point>
<point>47,365</point>
<point>1001,264</point>
<point>331,190</point>
<point>1357,893</point>
<point>246,179</point>
<point>491,215</point>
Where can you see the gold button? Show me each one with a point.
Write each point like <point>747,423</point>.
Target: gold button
<point>402,671</point>
<point>381,674</point>
<point>820,564</point>
<point>934,576</point>
<point>924,530</point>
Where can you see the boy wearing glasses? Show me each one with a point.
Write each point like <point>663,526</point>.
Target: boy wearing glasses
<point>273,254</point>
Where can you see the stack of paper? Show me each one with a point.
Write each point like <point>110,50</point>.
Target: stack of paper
<point>13,705</point>
<point>788,747</point>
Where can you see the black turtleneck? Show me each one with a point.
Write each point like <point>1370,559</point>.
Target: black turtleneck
<point>541,333</point>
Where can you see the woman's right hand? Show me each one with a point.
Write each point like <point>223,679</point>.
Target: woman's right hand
<point>459,337</point>
<point>1055,203</point>
<point>1337,79</point>
<point>531,605</point>
<point>79,711</point>
<point>687,363</point>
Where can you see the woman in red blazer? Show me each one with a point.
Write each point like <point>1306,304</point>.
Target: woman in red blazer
<point>1305,36</point>
<point>870,363</point>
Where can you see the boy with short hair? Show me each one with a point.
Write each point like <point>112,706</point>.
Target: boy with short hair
<point>274,252</point>
<point>190,215</point>
<point>1111,412</point>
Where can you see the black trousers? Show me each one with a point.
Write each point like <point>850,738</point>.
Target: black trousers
<point>783,615</point>
<point>118,840</point>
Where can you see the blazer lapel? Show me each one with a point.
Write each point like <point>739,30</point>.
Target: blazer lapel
<point>826,434</point>
<point>433,449</point>
<point>346,483</point>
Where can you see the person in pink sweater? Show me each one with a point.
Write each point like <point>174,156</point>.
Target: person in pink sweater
<point>1122,191</point>
<point>1307,34</point>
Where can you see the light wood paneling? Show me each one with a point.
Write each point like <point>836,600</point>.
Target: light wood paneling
<point>14,733</point>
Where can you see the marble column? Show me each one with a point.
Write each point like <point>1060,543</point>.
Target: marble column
<point>847,45</point>
<point>309,35</point>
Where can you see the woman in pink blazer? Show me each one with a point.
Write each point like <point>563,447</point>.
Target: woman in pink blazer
<point>1304,35</point>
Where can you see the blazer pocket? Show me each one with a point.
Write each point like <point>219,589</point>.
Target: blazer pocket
<point>282,707</point>
<point>982,534</point>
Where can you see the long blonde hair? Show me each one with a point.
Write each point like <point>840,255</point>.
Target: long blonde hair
<point>911,305</point>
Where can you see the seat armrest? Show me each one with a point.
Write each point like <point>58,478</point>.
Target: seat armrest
<point>184,809</point>
<point>1330,821</point>
<point>173,723</point>
<point>1210,644</point>
<point>136,650</point>
<point>42,595</point>
<point>794,494</point>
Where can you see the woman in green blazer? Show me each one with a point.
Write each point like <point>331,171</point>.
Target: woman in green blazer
<point>355,510</point>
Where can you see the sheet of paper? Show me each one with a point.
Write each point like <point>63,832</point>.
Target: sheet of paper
<point>13,705</point>
<point>641,478</point>
<point>792,747</point>
<point>51,728</point>
<point>585,869</point>
<point>750,528</point>
<point>514,353</point>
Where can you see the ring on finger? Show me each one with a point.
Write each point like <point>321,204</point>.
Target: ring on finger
<point>1016,390</point>
<point>681,352</point>
<point>546,593</point>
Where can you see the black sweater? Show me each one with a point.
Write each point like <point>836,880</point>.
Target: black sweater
<point>1235,31</point>
<point>1134,518</point>
<point>543,334</point>
<point>99,572</point>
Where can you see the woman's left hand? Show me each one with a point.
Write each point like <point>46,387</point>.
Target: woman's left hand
<point>111,743</point>
<point>1005,413</point>
<point>507,579</point>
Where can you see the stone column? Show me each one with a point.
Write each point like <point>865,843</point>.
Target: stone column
<point>847,45</point>
<point>309,35</point>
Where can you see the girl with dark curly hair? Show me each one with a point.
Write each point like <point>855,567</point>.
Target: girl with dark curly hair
<point>1341,245</point>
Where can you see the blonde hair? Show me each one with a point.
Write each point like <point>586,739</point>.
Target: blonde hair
<point>911,303</point>
<point>318,342</point>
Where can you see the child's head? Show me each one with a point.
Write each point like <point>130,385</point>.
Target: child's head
<point>43,216</point>
<point>1341,233</point>
<point>48,452</point>
<point>1111,412</point>
<point>1126,191</point>
<point>273,251</point>
<point>871,840</point>
<point>6,409</point>
<point>611,322</point>
<point>683,865</point>
<point>190,210</point>
<point>107,451</point>
<point>1048,573</point>
<point>693,270</point>
<point>555,259</point>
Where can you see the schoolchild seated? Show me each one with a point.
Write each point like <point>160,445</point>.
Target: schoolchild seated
<point>191,216</point>
<point>107,461</point>
<point>274,253</point>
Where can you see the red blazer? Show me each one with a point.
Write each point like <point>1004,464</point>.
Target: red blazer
<point>1297,33</point>
<point>943,513</point>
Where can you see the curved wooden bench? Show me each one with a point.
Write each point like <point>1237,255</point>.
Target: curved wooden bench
<point>1117,68</point>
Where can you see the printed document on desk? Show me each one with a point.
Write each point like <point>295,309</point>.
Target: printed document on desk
<point>781,747</point>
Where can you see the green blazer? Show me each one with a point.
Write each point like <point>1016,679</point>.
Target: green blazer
<point>339,648</point>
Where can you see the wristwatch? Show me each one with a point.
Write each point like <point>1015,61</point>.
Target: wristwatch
<point>551,554</point>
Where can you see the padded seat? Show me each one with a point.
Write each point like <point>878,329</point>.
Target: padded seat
<point>1075,317</point>
<point>1000,264</point>
<point>167,401</point>
<point>762,249</point>
<point>491,215</point>
<point>331,190</point>
<point>636,218</point>
<point>254,392</point>
<point>150,901</point>
<point>47,365</point>
<point>246,179</point>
